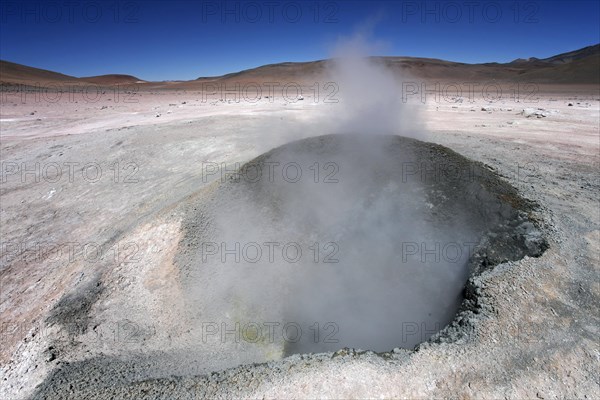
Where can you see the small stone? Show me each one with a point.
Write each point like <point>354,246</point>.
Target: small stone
<point>50,354</point>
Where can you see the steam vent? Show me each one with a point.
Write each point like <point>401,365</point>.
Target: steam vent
<point>342,246</point>
<point>373,240</point>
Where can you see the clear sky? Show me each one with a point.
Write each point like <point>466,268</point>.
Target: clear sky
<point>186,39</point>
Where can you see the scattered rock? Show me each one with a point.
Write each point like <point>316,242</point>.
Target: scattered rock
<point>538,113</point>
<point>50,354</point>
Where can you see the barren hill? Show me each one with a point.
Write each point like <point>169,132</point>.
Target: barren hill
<point>112,79</point>
<point>13,73</point>
<point>575,67</point>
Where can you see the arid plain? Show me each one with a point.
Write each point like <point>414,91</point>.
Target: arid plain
<point>95,172</point>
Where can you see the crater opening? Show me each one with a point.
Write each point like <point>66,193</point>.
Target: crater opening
<point>338,241</point>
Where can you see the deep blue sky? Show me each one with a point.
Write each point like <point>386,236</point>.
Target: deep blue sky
<point>168,40</point>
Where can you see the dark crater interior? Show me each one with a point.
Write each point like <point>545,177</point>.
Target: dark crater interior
<point>390,229</point>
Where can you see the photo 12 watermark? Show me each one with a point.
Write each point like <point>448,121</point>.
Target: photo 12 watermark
<point>272,172</point>
<point>69,172</point>
<point>85,93</point>
<point>70,12</point>
<point>470,12</point>
<point>70,252</point>
<point>254,92</point>
<point>269,332</point>
<point>437,252</point>
<point>271,12</point>
<point>468,92</point>
<point>107,333</point>
<point>270,252</point>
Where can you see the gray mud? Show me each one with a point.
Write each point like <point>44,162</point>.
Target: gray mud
<point>461,200</point>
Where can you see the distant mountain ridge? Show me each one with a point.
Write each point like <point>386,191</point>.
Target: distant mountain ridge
<point>112,79</point>
<point>571,56</point>
<point>11,73</point>
<point>580,66</point>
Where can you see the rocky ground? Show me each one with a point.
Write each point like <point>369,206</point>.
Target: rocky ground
<point>90,236</point>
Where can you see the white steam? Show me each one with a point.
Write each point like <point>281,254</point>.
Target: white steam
<point>362,217</point>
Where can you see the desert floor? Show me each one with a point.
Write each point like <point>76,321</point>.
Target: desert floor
<point>110,173</point>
